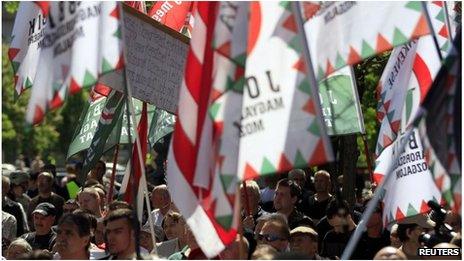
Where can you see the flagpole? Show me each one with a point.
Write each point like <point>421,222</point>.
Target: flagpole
<point>368,156</point>
<point>310,72</point>
<point>377,196</point>
<point>130,112</point>
<point>113,174</point>
<point>447,20</point>
<point>432,31</point>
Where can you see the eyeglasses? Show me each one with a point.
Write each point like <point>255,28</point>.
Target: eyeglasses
<point>268,237</point>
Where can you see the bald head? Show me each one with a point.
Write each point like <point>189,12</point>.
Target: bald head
<point>298,176</point>
<point>390,253</point>
<point>160,197</point>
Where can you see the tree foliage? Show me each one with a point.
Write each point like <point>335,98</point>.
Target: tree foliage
<point>51,138</point>
<point>368,74</point>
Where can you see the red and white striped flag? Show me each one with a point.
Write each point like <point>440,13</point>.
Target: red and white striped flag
<point>201,173</point>
<point>138,168</point>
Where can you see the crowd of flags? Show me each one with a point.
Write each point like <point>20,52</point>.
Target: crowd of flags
<point>243,56</point>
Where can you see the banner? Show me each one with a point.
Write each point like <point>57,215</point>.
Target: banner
<point>49,50</point>
<point>404,84</point>
<point>344,33</point>
<point>340,103</point>
<point>171,13</point>
<point>278,111</point>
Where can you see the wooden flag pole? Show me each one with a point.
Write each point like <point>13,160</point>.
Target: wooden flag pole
<point>432,31</point>
<point>113,174</point>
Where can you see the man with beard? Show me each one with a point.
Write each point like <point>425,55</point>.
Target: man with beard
<point>73,237</point>
<point>45,184</point>
<point>43,237</point>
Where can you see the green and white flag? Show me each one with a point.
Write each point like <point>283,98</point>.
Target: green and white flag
<point>340,103</point>
<point>162,124</point>
<point>108,119</point>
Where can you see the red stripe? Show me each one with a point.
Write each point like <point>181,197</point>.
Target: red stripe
<point>137,169</point>
<point>192,81</point>
<point>423,76</point>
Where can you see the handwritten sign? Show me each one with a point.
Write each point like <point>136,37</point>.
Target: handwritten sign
<point>156,57</point>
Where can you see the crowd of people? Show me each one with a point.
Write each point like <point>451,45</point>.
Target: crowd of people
<point>299,215</point>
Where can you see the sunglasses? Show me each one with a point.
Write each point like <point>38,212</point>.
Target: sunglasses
<point>268,237</point>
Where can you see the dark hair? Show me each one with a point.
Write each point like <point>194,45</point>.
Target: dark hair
<point>88,214</point>
<point>402,231</point>
<point>175,216</point>
<point>335,205</point>
<point>122,213</point>
<point>119,204</point>
<point>81,221</point>
<point>295,190</point>
<point>50,168</point>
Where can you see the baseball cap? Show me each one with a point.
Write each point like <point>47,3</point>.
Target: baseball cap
<point>302,230</point>
<point>18,177</point>
<point>420,219</point>
<point>45,209</point>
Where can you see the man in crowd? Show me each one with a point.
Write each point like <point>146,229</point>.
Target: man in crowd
<point>275,232</point>
<point>73,237</point>
<point>13,208</point>
<point>161,201</point>
<point>374,238</point>
<point>232,250</point>
<point>89,199</point>
<point>409,230</point>
<point>335,241</point>
<point>120,236</point>
<point>251,199</point>
<point>19,184</point>
<point>98,172</point>
<point>285,199</point>
<point>317,203</point>
<point>299,177</point>
<point>304,240</point>
<point>43,237</point>
<point>390,253</point>
<point>45,184</point>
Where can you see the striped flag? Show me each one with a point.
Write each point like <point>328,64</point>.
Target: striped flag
<point>138,168</point>
<point>51,41</point>
<point>201,172</point>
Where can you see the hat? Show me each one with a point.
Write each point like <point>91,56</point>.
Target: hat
<point>18,177</point>
<point>45,209</point>
<point>422,220</point>
<point>302,230</point>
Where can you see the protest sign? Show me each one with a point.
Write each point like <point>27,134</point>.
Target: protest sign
<point>155,56</point>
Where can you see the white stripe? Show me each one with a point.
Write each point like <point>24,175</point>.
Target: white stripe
<point>189,206</point>
<point>198,41</point>
<point>202,170</point>
<point>188,113</point>
<point>125,179</point>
